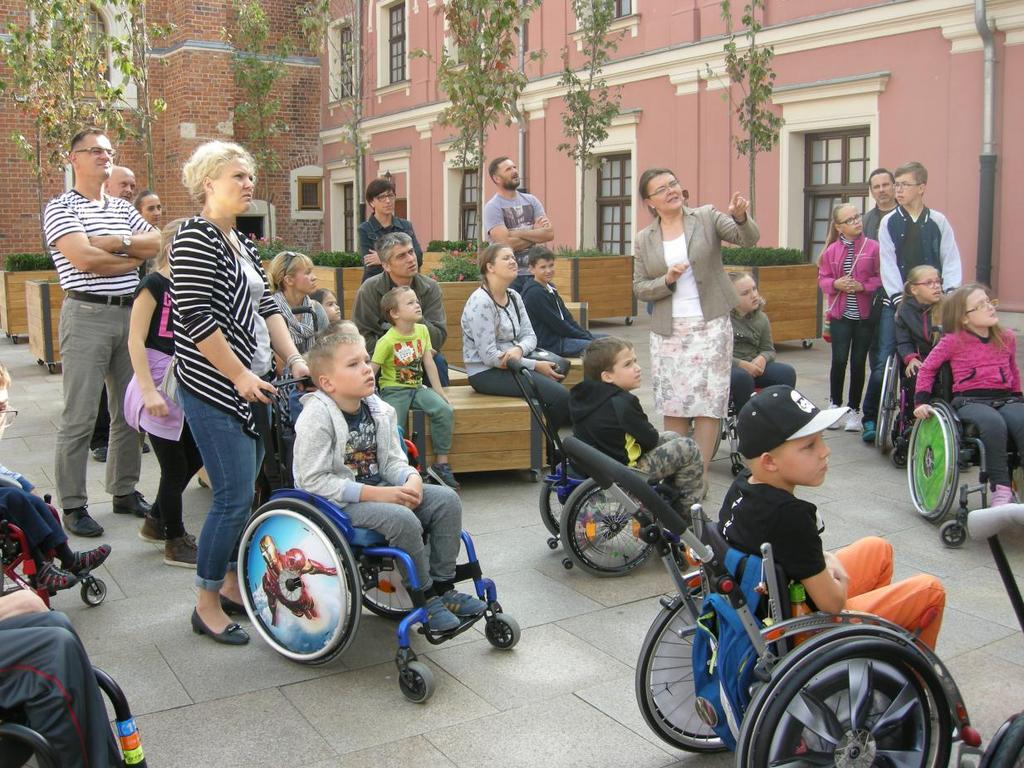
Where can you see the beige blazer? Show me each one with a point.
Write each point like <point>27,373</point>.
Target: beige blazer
<point>705,229</point>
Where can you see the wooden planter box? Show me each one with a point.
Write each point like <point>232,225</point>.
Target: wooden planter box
<point>605,283</point>
<point>431,261</point>
<point>793,299</point>
<point>455,296</point>
<point>343,282</point>
<point>43,300</point>
<point>13,319</point>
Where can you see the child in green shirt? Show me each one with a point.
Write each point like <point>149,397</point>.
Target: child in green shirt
<point>402,356</point>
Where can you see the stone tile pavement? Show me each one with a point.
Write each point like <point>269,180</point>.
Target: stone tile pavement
<point>563,697</point>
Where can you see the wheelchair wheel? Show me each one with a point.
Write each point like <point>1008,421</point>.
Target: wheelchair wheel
<point>93,592</point>
<point>300,581</point>
<point>861,701</point>
<point>889,404</point>
<point>933,468</point>
<point>384,591</point>
<point>664,681</point>
<point>1007,747</point>
<point>600,534</point>
<point>416,682</point>
<point>550,506</point>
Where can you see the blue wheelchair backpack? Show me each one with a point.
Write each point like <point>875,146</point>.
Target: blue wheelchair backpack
<point>724,658</point>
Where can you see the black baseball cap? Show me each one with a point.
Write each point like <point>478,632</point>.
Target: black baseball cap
<point>777,414</point>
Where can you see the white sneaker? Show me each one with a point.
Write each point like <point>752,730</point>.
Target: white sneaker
<point>842,419</point>
<point>853,422</point>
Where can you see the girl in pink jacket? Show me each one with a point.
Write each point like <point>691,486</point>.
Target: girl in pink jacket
<point>848,274</point>
<point>986,380</point>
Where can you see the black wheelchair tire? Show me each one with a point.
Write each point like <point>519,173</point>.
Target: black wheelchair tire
<point>1007,749</point>
<point>888,405</point>
<point>919,452</point>
<point>550,507</point>
<point>583,553</point>
<point>673,626</point>
<point>349,573</point>
<point>800,686</point>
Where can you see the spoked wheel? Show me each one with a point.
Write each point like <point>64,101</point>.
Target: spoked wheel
<point>600,533</point>
<point>933,469</point>
<point>550,505</point>
<point>93,592</point>
<point>384,591</point>
<point>664,681</point>
<point>502,631</point>
<point>889,406</point>
<point>953,533</point>
<point>859,703</point>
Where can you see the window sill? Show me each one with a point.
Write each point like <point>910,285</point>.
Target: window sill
<point>631,23</point>
<point>401,85</point>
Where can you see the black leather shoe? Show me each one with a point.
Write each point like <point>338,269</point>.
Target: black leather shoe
<point>233,634</point>
<point>145,447</point>
<point>132,504</point>
<point>231,608</point>
<point>78,522</point>
<point>100,454</point>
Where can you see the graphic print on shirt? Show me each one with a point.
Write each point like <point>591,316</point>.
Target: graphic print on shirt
<point>407,357</point>
<point>361,450</point>
<point>518,216</point>
<point>164,331</point>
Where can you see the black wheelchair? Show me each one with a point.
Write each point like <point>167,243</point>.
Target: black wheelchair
<point>859,691</point>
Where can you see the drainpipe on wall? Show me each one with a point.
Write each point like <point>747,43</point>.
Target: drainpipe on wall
<point>359,204</point>
<point>987,194</point>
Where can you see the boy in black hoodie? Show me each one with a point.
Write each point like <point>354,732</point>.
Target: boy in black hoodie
<point>557,331</point>
<point>608,416</point>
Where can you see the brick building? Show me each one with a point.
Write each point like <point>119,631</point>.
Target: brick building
<point>861,83</point>
<point>191,71</point>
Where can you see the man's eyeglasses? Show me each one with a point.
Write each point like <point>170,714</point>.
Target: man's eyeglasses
<point>986,304</point>
<point>851,220</point>
<point>906,184</point>
<point>674,184</point>
<point>929,283</point>
<point>386,196</point>
<point>97,151</point>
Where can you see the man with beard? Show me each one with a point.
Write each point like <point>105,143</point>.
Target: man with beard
<point>515,218</point>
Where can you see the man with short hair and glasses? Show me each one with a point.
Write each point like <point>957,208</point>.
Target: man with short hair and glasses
<point>97,242</point>
<point>381,196</point>
<point>398,260</point>
<point>515,218</point>
<point>911,234</point>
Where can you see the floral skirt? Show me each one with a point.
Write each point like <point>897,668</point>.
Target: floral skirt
<point>690,369</point>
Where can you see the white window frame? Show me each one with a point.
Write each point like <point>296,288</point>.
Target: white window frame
<point>384,83</point>
<point>304,172</point>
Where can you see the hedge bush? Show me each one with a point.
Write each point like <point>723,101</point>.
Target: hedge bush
<point>762,257</point>
<point>452,245</point>
<point>268,249</point>
<point>28,262</point>
<point>456,268</point>
<point>337,259</point>
<point>565,252</point>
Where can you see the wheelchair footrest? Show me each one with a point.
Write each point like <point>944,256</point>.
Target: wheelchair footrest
<point>436,638</point>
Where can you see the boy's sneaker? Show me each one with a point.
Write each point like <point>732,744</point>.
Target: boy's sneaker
<point>869,432</point>
<point>86,561</point>
<point>181,551</point>
<point>853,421</point>
<point>462,604</point>
<point>842,419</point>
<point>152,530</point>
<point>53,579</point>
<point>439,618</point>
<point>444,474</point>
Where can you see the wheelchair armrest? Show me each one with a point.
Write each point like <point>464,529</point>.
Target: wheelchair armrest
<point>9,482</point>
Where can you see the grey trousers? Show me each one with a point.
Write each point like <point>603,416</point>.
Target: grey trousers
<point>48,676</point>
<point>94,350</point>
<point>439,514</point>
<point>994,427</point>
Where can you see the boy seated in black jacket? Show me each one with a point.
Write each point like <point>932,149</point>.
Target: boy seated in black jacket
<point>608,416</point>
<point>557,330</point>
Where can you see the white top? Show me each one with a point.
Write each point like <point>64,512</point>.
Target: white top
<point>685,299</point>
<point>263,356</point>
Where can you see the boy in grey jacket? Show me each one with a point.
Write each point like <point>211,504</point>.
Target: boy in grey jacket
<point>347,450</point>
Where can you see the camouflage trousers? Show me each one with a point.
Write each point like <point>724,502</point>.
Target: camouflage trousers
<point>677,458</point>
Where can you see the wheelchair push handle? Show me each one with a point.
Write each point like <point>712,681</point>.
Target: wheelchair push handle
<point>302,381</point>
<point>985,523</point>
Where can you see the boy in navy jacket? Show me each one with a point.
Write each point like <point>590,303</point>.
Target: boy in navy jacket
<point>557,331</point>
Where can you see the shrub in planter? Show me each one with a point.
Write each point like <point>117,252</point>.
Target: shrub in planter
<point>565,252</point>
<point>456,267</point>
<point>452,245</point>
<point>268,249</point>
<point>337,259</point>
<point>28,262</point>
<point>762,257</point>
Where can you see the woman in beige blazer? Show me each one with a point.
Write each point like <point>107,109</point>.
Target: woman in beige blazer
<point>678,267</point>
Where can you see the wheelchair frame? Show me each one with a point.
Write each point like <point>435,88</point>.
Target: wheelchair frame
<point>895,413</point>
<point>866,644</point>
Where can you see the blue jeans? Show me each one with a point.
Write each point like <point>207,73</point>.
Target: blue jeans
<point>575,347</point>
<point>232,459</point>
<point>850,342</point>
<point>742,384</point>
<point>882,347</point>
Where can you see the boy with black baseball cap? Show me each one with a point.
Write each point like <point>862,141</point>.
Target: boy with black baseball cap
<point>780,435</point>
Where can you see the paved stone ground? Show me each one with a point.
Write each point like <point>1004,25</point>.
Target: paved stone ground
<point>563,697</point>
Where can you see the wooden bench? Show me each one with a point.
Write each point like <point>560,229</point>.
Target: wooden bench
<point>489,433</point>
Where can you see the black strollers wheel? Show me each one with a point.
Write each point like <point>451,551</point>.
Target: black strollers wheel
<point>599,532</point>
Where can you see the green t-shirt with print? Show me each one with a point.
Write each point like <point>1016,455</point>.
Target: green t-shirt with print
<point>400,357</point>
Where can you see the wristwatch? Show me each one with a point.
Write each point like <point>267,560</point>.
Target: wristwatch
<point>126,242</point>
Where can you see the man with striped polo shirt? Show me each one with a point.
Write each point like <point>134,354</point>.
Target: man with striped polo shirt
<point>97,243</point>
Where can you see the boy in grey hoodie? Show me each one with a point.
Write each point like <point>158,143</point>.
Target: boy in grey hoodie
<point>347,450</point>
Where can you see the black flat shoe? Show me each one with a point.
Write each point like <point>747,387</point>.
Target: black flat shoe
<point>233,634</point>
<point>132,504</point>
<point>231,608</point>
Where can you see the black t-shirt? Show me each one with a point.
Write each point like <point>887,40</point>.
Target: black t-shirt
<point>755,513</point>
<point>160,335</point>
<point>361,448</point>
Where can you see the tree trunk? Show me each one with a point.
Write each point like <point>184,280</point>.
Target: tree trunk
<point>39,184</point>
<point>583,203</point>
<point>752,166</point>
<point>481,235</point>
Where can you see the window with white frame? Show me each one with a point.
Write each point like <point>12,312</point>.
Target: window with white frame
<point>468,199</point>
<point>623,8</point>
<point>345,53</point>
<point>614,204</point>
<point>395,33</point>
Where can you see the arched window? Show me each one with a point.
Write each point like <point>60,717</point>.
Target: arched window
<point>97,25</point>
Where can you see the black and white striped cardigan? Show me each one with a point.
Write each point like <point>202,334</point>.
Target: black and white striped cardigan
<point>210,292</point>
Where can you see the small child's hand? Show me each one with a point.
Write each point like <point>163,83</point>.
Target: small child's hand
<point>402,495</point>
<point>923,411</point>
<point>914,366</point>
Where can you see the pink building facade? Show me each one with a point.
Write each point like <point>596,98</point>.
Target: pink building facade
<point>860,85</point>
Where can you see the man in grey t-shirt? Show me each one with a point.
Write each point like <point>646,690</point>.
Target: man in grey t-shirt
<point>513,217</point>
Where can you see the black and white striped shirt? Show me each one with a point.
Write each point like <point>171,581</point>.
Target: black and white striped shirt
<point>851,311</point>
<point>210,292</point>
<point>74,212</point>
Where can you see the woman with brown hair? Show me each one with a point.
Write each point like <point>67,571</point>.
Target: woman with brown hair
<point>678,267</point>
